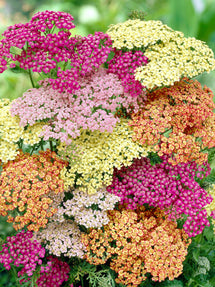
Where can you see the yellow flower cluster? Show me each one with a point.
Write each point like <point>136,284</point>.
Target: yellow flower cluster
<point>100,154</point>
<point>11,132</point>
<point>171,55</point>
<point>137,34</point>
<point>211,207</point>
<point>169,62</point>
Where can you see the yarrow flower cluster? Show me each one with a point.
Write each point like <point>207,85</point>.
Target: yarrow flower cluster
<point>25,184</point>
<point>181,112</point>
<point>21,251</point>
<point>11,132</point>
<point>171,56</point>
<point>168,187</point>
<point>91,107</point>
<point>58,273</point>
<point>62,239</point>
<point>144,242</point>
<point>99,154</point>
<point>90,210</point>
<point>124,65</point>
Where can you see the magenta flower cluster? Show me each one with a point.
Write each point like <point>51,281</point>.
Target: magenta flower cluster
<point>124,65</point>
<point>21,251</point>
<point>56,275</point>
<point>40,50</point>
<point>172,188</point>
<point>38,47</point>
<point>91,107</point>
<point>87,54</point>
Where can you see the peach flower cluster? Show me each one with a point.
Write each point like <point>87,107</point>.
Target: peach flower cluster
<point>25,184</point>
<point>136,243</point>
<point>178,121</point>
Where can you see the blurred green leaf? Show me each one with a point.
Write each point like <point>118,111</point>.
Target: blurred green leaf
<point>182,17</point>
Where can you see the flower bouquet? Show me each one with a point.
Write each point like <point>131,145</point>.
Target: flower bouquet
<point>105,162</point>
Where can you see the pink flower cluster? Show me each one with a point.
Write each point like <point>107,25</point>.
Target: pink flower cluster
<point>87,54</point>
<point>124,65</point>
<point>40,50</point>
<point>39,46</point>
<point>91,107</point>
<point>172,188</point>
<point>58,273</point>
<point>21,251</point>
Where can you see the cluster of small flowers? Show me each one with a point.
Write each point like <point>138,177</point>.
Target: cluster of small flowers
<point>90,210</point>
<point>165,186</point>
<point>62,239</point>
<point>25,184</point>
<point>144,242</point>
<point>21,251</point>
<point>11,132</point>
<point>92,107</point>
<point>181,110</point>
<point>124,66</point>
<point>171,55</point>
<point>100,154</point>
<point>58,273</point>
<point>40,53</point>
<point>42,50</point>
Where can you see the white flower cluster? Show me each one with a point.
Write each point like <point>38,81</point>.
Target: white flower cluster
<point>90,210</point>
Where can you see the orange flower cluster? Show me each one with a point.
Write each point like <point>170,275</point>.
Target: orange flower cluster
<point>177,120</point>
<point>138,242</point>
<point>25,184</point>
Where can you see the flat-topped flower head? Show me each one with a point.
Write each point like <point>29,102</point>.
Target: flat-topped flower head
<point>99,154</point>
<point>138,242</point>
<point>171,56</point>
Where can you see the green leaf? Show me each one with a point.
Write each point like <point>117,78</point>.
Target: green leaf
<point>196,253</point>
<point>183,17</point>
<point>174,283</point>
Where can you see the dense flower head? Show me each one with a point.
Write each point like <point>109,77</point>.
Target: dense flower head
<point>11,132</point>
<point>25,184</point>
<point>62,239</point>
<point>136,243</point>
<point>171,188</point>
<point>86,56</point>
<point>170,55</point>
<point>183,111</point>
<point>58,273</point>
<point>92,107</point>
<point>90,210</point>
<point>99,154</point>
<point>21,251</point>
<point>40,52</point>
<point>124,65</point>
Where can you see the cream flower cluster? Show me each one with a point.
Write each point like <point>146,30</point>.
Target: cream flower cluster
<point>90,210</point>
<point>171,55</point>
<point>62,239</point>
<point>11,132</point>
<point>99,154</point>
<point>211,207</point>
<point>140,34</point>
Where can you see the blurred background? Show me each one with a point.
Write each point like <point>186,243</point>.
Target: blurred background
<point>196,18</point>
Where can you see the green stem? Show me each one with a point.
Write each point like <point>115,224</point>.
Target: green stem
<point>31,78</point>
<point>14,274</point>
<point>51,145</point>
<point>32,150</point>
<point>82,282</point>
